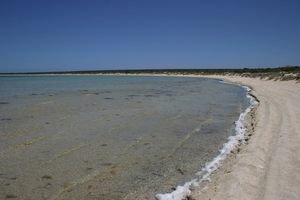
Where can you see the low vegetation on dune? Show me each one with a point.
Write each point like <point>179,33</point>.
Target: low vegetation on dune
<point>278,74</point>
<point>281,73</point>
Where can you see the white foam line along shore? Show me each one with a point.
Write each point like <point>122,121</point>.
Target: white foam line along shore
<point>204,175</point>
<point>268,167</point>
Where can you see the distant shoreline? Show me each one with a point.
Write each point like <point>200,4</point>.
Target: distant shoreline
<point>281,73</point>
<point>267,166</point>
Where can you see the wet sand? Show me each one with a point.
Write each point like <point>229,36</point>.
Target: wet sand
<point>268,167</point>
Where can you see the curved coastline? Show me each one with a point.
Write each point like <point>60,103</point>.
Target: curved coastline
<point>268,166</point>
<point>241,128</point>
<point>74,150</point>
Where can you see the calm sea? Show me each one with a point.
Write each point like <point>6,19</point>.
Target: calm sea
<point>110,137</point>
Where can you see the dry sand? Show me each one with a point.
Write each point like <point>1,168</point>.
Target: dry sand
<point>268,167</point>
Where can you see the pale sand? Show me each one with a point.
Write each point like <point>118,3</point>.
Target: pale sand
<point>268,167</point>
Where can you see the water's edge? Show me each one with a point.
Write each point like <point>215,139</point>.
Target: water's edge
<point>233,142</point>
<point>75,115</point>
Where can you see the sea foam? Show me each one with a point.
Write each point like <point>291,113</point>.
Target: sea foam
<point>204,175</point>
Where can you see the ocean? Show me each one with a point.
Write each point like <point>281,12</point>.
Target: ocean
<point>110,137</point>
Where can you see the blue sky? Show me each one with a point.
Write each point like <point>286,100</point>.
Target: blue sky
<point>51,35</point>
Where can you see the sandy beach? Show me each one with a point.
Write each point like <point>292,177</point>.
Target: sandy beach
<point>268,167</point>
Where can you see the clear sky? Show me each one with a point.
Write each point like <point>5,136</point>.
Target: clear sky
<point>52,35</point>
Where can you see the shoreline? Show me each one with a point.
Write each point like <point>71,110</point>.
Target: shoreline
<point>268,166</point>
<point>204,177</point>
<point>91,172</point>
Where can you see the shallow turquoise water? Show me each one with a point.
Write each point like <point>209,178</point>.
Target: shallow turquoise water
<point>110,137</point>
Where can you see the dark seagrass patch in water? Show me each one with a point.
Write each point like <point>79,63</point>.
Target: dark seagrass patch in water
<point>6,119</point>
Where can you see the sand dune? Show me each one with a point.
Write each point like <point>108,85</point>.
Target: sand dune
<point>269,166</point>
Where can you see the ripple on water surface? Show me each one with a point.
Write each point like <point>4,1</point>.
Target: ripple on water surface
<point>107,137</point>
